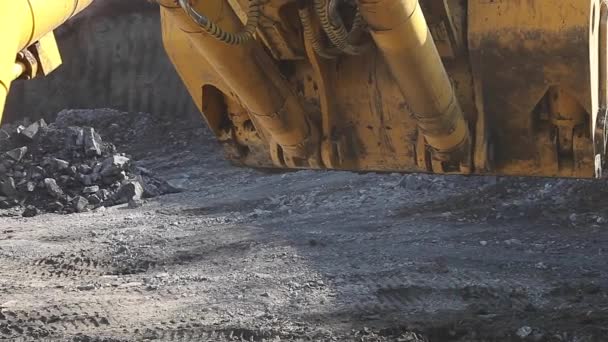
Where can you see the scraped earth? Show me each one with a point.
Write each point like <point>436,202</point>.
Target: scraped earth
<point>254,255</point>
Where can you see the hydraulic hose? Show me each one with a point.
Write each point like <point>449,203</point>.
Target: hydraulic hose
<point>313,36</point>
<point>336,30</point>
<point>211,28</point>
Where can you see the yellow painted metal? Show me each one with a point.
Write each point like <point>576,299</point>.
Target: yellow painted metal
<point>518,50</point>
<point>394,107</point>
<point>18,69</point>
<point>269,100</point>
<point>402,35</point>
<point>514,88</point>
<point>47,52</point>
<point>25,22</point>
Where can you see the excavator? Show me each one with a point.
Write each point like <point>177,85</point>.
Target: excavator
<point>501,87</point>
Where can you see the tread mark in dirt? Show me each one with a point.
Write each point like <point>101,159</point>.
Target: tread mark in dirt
<point>73,265</point>
<point>402,294</point>
<point>49,321</point>
<point>191,332</point>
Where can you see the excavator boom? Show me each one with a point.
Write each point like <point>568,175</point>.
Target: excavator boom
<point>26,23</point>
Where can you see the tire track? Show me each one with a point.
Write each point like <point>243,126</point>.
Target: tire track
<point>76,265</point>
<point>51,321</point>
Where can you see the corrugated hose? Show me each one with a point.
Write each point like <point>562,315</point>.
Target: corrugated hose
<point>211,28</point>
<point>336,30</point>
<point>315,39</point>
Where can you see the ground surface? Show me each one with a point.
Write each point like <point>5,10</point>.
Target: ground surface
<point>251,255</point>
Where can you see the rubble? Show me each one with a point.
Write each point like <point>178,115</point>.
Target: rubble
<point>90,189</point>
<point>52,188</point>
<point>30,211</point>
<point>131,191</point>
<point>31,130</point>
<point>523,332</point>
<point>66,169</point>
<point>17,153</point>
<point>134,203</point>
<point>92,142</point>
<point>113,165</point>
<point>80,204</point>
<point>7,187</point>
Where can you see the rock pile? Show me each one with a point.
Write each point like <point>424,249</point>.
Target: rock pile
<point>46,168</point>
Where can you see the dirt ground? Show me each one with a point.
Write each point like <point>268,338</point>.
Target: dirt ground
<point>248,255</point>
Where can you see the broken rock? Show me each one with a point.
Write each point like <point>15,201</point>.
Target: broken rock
<point>60,164</point>
<point>84,169</point>
<point>17,154</point>
<point>55,207</point>
<point>114,165</point>
<point>30,211</point>
<point>90,189</point>
<point>52,188</point>
<point>130,191</point>
<point>92,142</point>
<point>94,199</point>
<point>80,204</point>
<point>31,130</point>
<point>67,168</point>
<point>103,194</point>
<point>134,204</point>
<point>7,187</point>
<point>4,135</point>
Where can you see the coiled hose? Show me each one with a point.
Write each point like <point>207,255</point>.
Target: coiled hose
<point>336,30</point>
<point>315,39</point>
<point>211,28</point>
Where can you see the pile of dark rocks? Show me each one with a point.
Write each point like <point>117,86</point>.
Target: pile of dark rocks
<point>67,169</point>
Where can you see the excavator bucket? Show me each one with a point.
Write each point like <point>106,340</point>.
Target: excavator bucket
<point>449,86</point>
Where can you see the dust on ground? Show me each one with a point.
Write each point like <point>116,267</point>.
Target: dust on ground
<point>247,255</point>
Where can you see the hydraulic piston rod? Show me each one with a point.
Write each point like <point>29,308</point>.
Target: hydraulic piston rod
<point>400,31</point>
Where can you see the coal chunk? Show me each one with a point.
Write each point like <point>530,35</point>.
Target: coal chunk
<point>103,194</point>
<point>31,130</point>
<point>85,169</point>
<point>17,154</point>
<point>8,188</point>
<point>52,188</point>
<point>90,189</point>
<point>60,164</point>
<point>30,211</point>
<point>94,199</point>
<point>134,204</point>
<point>130,191</point>
<point>4,135</point>
<point>79,204</point>
<point>66,168</point>
<point>55,207</point>
<point>92,142</point>
<point>114,165</point>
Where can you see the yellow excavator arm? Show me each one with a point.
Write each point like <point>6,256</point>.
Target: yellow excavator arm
<point>441,86</point>
<point>24,23</point>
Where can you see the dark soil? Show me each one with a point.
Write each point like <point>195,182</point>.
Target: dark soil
<point>307,255</point>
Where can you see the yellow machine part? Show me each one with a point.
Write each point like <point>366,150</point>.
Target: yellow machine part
<point>24,23</point>
<point>442,86</point>
<point>498,87</point>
